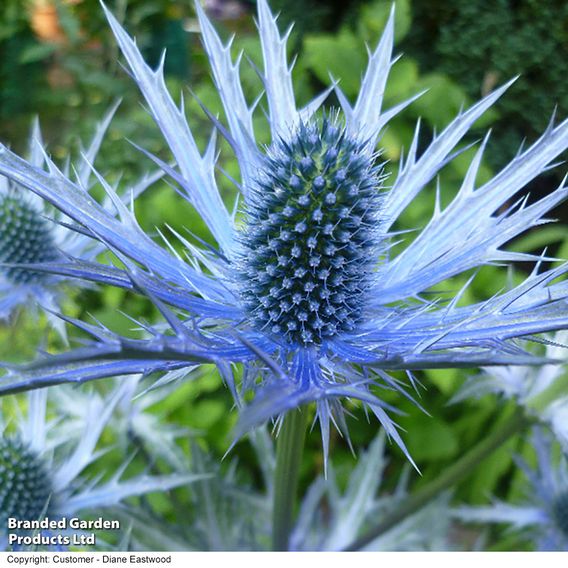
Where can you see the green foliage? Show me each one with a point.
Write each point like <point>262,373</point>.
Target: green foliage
<point>20,56</point>
<point>483,43</point>
<point>433,439</point>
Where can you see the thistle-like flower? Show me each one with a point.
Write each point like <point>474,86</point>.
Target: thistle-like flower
<point>133,422</point>
<point>43,466</point>
<point>32,232</point>
<point>26,236</point>
<point>543,517</point>
<point>303,288</point>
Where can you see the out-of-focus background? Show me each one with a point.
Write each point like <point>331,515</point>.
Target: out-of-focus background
<point>59,62</point>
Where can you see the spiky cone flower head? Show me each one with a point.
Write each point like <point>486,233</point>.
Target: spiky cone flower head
<point>44,466</point>
<point>541,390</point>
<point>303,288</point>
<point>34,233</point>
<point>543,516</point>
<point>311,236</point>
<point>26,237</point>
<point>25,485</point>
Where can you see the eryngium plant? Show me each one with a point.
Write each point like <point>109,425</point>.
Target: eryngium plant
<point>303,290</point>
<point>44,465</point>
<point>541,391</point>
<point>32,232</point>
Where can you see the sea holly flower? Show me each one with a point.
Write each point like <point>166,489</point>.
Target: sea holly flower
<point>543,517</point>
<point>43,466</point>
<point>25,236</point>
<point>33,232</point>
<point>227,511</point>
<point>303,288</point>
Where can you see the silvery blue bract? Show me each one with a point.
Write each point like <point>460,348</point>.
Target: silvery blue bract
<point>542,391</point>
<point>31,232</point>
<point>543,516</point>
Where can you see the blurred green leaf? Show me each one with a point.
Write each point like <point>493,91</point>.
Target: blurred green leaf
<point>374,18</point>
<point>431,439</point>
<point>402,81</point>
<point>206,413</point>
<point>442,101</point>
<point>68,21</point>
<point>447,380</point>
<point>541,238</point>
<point>36,52</point>
<point>343,56</point>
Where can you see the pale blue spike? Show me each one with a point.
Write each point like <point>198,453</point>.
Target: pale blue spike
<point>36,425</point>
<point>113,492</point>
<point>388,115</point>
<point>455,300</point>
<point>239,114</point>
<point>468,184</point>
<point>391,431</point>
<point>411,156</point>
<point>416,175</point>
<point>96,418</point>
<point>437,201</point>
<point>466,235</point>
<point>36,152</point>
<point>323,415</point>
<point>364,121</point>
<point>284,117</point>
<point>124,214</point>
<point>197,171</point>
<point>358,497</point>
<point>90,154</point>
<point>308,111</point>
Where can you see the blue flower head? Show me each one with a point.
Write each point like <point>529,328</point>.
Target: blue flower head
<point>32,233</point>
<point>311,236</point>
<point>303,290</point>
<point>44,462</point>
<point>26,237</point>
<point>26,487</point>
